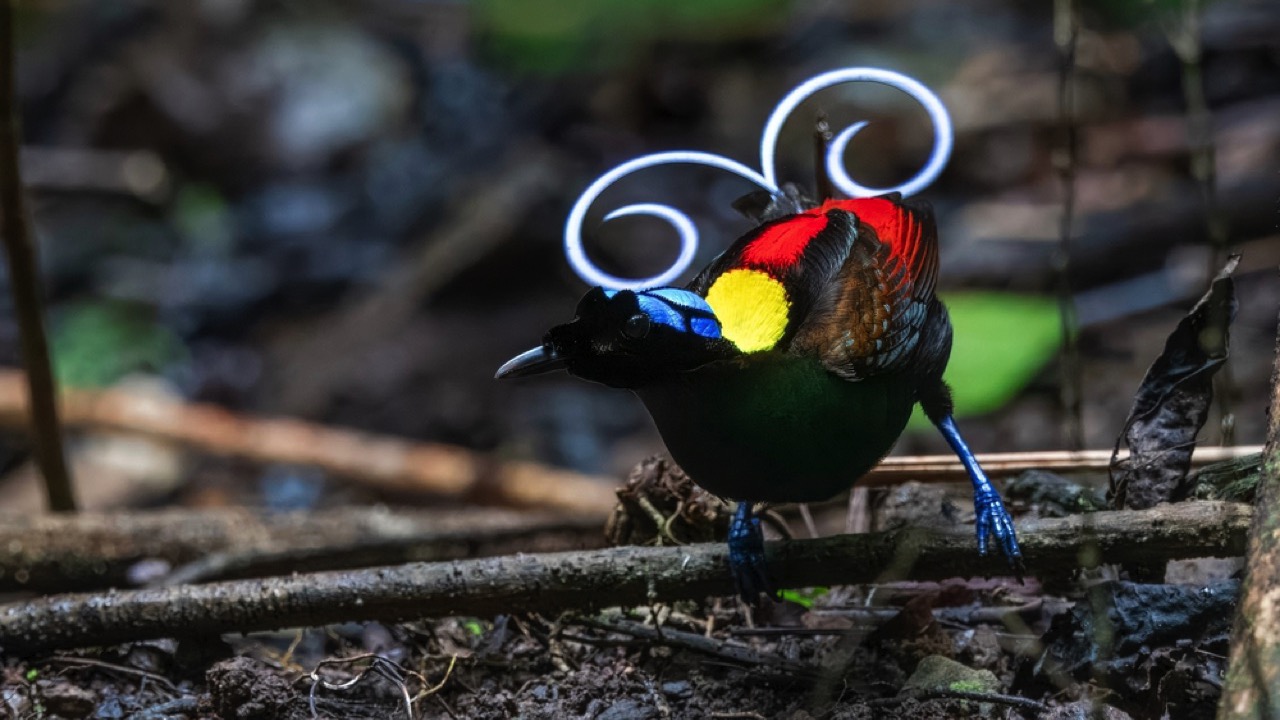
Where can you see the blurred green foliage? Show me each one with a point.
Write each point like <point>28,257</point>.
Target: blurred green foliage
<point>556,36</point>
<point>804,597</point>
<point>97,343</point>
<point>1002,341</point>
<point>203,217</point>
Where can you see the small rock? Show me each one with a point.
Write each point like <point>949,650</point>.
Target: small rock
<point>627,709</point>
<point>939,673</point>
<point>109,709</point>
<point>677,689</point>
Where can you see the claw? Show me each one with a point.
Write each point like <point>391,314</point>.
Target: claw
<point>746,557</point>
<point>992,519</point>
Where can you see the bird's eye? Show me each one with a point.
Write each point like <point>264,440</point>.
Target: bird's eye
<point>637,326</point>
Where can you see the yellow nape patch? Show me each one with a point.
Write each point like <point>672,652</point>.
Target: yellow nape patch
<point>751,307</point>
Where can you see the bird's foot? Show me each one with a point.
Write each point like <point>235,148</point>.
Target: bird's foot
<point>992,518</point>
<point>746,556</point>
<point>993,521</point>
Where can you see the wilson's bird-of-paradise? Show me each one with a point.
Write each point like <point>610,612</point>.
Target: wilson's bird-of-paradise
<point>790,365</point>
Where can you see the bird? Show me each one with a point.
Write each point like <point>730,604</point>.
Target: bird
<point>790,365</point>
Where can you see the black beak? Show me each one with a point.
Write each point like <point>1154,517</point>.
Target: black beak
<point>539,360</point>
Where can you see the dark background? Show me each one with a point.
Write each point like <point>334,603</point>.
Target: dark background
<point>352,212</point>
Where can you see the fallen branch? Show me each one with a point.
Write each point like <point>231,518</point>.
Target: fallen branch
<point>1252,686</point>
<point>388,463</point>
<point>55,553</point>
<point>601,578</point>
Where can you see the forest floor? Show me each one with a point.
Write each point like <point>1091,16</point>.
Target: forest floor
<point>992,647</point>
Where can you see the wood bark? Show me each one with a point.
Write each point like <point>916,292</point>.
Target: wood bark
<point>617,576</point>
<point>1252,687</point>
<point>56,553</point>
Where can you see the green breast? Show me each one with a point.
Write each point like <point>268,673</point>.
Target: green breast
<point>778,428</point>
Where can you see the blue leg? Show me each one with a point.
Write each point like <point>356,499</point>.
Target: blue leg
<point>746,555</point>
<point>992,519</point>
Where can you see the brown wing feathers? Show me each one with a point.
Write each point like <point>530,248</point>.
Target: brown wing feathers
<point>872,313</point>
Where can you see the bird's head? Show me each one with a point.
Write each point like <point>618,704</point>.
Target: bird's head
<point>626,338</point>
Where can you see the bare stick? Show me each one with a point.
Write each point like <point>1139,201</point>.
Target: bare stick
<point>724,649</point>
<point>24,280</point>
<point>1188,44</point>
<point>1252,687</point>
<point>947,694</point>
<point>602,578</point>
<point>388,463</point>
<point>1066,32</point>
<point>946,468</point>
<point>88,551</point>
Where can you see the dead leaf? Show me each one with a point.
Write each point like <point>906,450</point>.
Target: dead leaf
<point>1173,401</point>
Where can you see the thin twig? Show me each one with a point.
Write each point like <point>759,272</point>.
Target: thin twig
<point>857,519</point>
<point>944,694</point>
<point>723,649</point>
<point>113,667</point>
<point>1185,37</point>
<point>946,468</point>
<point>24,281</point>
<point>807,516</point>
<point>632,576</point>
<point>1066,32</point>
<point>166,710</point>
